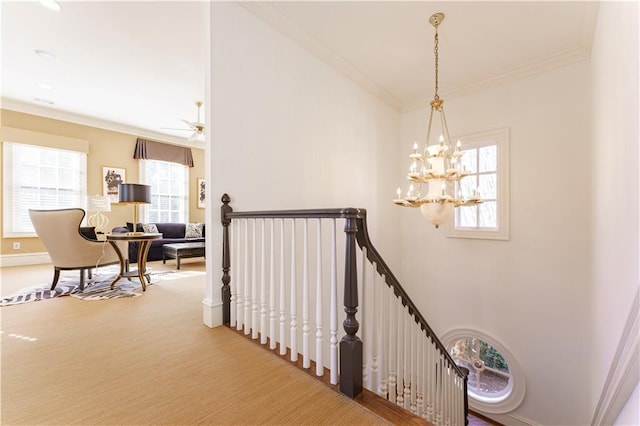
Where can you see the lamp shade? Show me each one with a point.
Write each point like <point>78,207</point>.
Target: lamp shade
<point>134,193</point>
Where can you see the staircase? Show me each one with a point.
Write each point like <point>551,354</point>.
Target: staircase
<point>281,288</point>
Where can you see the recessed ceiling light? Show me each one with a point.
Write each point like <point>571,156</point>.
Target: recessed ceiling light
<point>45,86</point>
<point>51,4</point>
<point>44,54</point>
<point>44,101</point>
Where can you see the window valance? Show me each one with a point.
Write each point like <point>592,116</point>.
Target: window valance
<point>151,150</point>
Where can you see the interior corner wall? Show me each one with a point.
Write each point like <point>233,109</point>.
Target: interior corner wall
<point>290,132</point>
<point>530,293</point>
<point>615,181</point>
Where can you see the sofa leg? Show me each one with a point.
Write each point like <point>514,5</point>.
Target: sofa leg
<point>56,277</point>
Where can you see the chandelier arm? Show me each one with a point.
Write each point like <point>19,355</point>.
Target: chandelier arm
<point>445,128</point>
<point>426,152</point>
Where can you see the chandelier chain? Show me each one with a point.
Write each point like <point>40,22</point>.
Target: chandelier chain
<point>435,51</point>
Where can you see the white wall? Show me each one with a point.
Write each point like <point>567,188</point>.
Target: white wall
<point>615,181</point>
<point>290,132</point>
<point>531,293</point>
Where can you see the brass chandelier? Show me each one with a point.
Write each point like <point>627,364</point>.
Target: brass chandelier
<point>436,170</point>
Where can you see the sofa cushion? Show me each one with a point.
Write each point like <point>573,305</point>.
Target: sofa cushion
<point>193,230</point>
<point>171,230</point>
<point>138,227</point>
<point>150,228</point>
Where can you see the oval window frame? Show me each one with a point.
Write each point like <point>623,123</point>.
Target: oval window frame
<point>511,399</point>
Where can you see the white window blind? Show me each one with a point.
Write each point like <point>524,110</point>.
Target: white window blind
<point>169,191</point>
<point>37,177</point>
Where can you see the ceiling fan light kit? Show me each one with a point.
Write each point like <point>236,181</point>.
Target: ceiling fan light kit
<point>197,127</point>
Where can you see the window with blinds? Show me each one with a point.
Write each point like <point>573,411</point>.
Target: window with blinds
<point>38,177</point>
<point>169,191</point>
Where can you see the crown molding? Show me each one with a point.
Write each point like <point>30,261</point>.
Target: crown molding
<point>284,25</point>
<point>515,73</point>
<point>56,114</point>
<point>281,23</point>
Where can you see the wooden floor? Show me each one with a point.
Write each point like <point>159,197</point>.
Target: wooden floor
<point>148,360</point>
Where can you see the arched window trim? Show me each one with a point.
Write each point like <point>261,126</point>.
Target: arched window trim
<point>500,404</point>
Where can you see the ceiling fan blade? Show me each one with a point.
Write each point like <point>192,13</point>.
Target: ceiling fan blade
<point>189,123</point>
<point>175,128</point>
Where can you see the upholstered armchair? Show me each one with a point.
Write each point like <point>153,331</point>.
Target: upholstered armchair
<point>59,231</point>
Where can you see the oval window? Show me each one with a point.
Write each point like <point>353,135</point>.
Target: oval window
<point>495,383</point>
<point>489,375</point>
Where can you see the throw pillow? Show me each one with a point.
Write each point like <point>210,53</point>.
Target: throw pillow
<point>194,230</point>
<point>150,228</point>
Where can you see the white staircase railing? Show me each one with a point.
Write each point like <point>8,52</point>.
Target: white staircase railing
<point>281,287</point>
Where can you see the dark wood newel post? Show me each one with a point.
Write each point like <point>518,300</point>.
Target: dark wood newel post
<point>226,262</point>
<point>465,371</point>
<point>351,345</point>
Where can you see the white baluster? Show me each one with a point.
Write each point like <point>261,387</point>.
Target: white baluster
<point>364,324</point>
<point>306,361</point>
<point>430,381</point>
<point>247,282</point>
<point>254,283</point>
<point>293,301</point>
<point>234,276</point>
<point>385,344</point>
<point>239,277</point>
<point>421,374</point>
<point>439,374</point>
<point>414,366</point>
<point>334,307</point>
<point>400,349</point>
<point>393,347</point>
<point>272,289</point>
<point>407,357</point>
<point>319,335</point>
<point>263,288</point>
<point>375,334</point>
<point>283,302</point>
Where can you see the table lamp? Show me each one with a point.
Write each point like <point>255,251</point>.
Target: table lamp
<point>98,204</point>
<point>133,193</point>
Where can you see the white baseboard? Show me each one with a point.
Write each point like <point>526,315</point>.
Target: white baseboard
<point>24,259</point>
<point>211,313</point>
<point>623,375</point>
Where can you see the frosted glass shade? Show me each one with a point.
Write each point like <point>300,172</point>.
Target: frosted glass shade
<point>437,213</point>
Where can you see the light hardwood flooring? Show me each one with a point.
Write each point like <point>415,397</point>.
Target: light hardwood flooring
<point>147,360</point>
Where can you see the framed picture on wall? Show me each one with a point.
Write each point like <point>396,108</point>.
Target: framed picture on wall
<point>111,178</point>
<point>201,193</point>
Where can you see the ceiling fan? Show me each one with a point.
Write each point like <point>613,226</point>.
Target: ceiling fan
<point>196,127</point>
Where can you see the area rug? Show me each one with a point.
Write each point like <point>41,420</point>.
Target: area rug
<point>98,288</point>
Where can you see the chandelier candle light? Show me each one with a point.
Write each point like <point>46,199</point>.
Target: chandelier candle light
<point>438,166</point>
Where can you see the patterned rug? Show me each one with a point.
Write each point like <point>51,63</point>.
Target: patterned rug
<point>98,288</point>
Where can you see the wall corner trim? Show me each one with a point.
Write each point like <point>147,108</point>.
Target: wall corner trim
<point>623,375</point>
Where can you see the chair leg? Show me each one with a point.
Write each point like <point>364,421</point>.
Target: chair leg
<point>81,279</point>
<point>56,277</point>
<point>89,273</point>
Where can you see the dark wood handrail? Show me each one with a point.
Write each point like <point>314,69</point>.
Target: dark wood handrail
<point>346,213</point>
